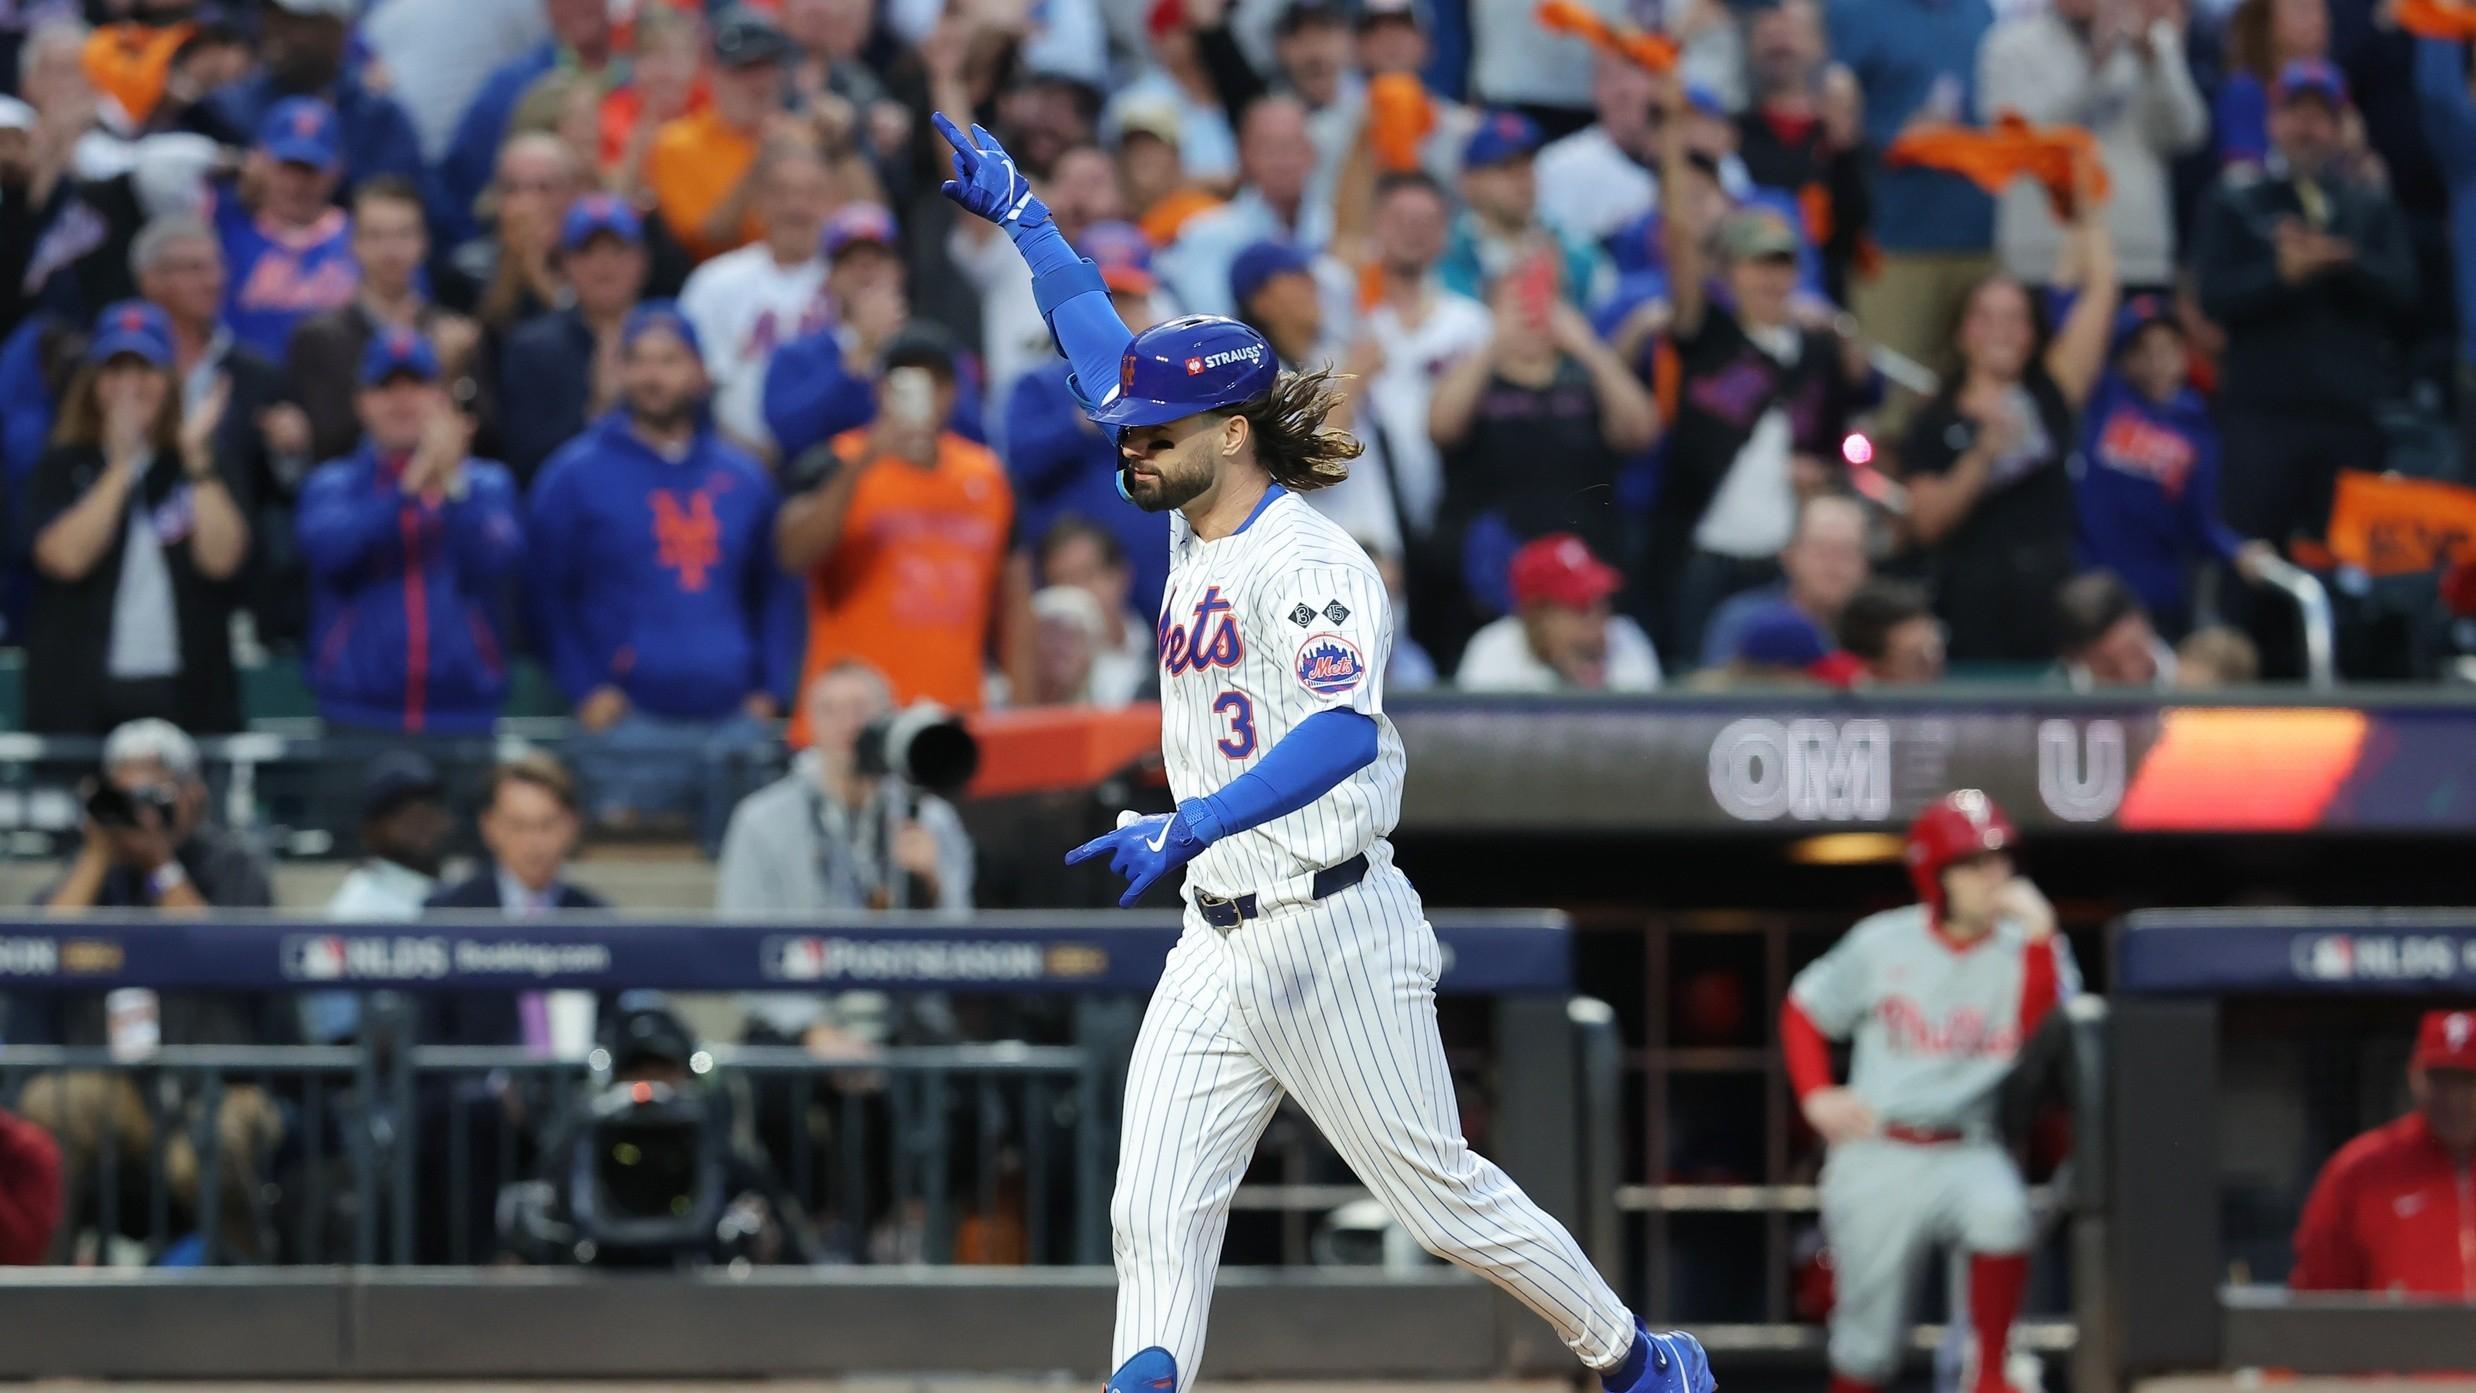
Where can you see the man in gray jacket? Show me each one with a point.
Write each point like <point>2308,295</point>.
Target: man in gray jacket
<point>826,838</point>
<point>2116,67</point>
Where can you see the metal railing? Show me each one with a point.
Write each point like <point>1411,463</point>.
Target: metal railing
<point>2314,617</point>
<point>151,1147</point>
<point>317,1155</point>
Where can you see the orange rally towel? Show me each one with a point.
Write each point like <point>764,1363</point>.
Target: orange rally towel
<point>2436,19</point>
<point>1995,156</point>
<point>1653,52</point>
<point>1399,116</point>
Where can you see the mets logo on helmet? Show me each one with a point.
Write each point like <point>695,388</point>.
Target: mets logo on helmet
<point>1329,665</point>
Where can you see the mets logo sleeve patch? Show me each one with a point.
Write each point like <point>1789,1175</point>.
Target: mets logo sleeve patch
<point>1330,665</point>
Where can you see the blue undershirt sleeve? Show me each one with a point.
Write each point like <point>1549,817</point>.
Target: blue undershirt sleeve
<point>1308,763</point>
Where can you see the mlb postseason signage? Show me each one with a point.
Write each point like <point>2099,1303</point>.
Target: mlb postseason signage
<point>2360,952</point>
<point>1491,953</point>
<point>1821,761</point>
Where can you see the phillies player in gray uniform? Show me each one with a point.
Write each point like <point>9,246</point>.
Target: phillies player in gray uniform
<point>1938,997</point>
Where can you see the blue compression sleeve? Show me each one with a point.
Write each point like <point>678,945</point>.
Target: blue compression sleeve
<point>1310,762</point>
<point>1084,324</point>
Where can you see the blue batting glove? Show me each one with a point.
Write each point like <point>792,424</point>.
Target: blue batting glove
<point>1143,849</point>
<point>986,182</point>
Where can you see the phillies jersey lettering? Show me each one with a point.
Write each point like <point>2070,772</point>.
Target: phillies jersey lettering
<point>1260,630</point>
<point>1912,1028</point>
<point>283,275</point>
<point>1935,1024</point>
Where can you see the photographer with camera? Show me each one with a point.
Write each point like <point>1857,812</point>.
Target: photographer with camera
<point>149,845</point>
<point>643,1171</point>
<point>904,531</point>
<point>858,824</point>
<point>851,827</point>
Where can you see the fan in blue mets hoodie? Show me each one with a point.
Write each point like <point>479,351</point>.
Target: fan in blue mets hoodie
<point>2147,489</point>
<point>655,594</point>
<point>409,543</point>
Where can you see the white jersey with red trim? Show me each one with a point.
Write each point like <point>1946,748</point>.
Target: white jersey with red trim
<point>1259,630</point>
<point>1936,1023</point>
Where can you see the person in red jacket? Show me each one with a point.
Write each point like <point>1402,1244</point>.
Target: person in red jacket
<point>2395,1210</point>
<point>29,1191</point>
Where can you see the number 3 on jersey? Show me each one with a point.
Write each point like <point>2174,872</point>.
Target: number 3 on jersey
<point>1238,741</point>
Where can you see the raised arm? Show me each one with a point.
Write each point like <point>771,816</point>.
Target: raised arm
<point>2078,354</point>
<point>1687,290</point>
<point>1068,289</point>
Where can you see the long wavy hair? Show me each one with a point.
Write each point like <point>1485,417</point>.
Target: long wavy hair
<point>81,414</point>
<point>1292,441</point>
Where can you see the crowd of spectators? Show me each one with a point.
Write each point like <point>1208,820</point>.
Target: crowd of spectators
<point>412,341</point>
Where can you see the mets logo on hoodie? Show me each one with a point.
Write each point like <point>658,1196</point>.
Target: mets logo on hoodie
<point>1329,665</point>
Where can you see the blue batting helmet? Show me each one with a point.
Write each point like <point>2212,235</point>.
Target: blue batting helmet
<point>1195,363</point>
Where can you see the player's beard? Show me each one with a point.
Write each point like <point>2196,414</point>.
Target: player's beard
<point>1180,482</point>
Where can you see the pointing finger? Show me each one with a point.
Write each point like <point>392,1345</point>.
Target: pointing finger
<point>964,150</point>
<point>1091,849</point>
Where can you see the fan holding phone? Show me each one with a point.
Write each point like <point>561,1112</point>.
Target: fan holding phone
<point>901,528</point>
<point>1534,429</point>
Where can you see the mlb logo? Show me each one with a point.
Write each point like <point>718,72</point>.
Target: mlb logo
<point>799,959</point>
<point>319,959</point>
<point>1329,665</point>
<point>2334,958</point>
<point>1194,367</point>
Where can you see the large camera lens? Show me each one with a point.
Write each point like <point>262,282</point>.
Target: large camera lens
<point>647,1169</point>
<point>925,745</point>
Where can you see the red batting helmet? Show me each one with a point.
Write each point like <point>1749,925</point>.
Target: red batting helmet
<point>1962,823</point>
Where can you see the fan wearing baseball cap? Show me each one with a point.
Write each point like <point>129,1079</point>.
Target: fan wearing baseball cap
<point>409,541</point>
<point>301,52</point>
<point>1564,633</point>
<point>564,365</point>
<point>288,247</point>
<point>2315,266</point>
<point>2395,1210</point>
<point>139,529</point>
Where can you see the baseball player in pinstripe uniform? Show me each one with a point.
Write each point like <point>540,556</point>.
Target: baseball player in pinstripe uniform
<point>1307,967</point>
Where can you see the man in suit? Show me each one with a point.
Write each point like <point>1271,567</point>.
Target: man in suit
<point>529,825</point>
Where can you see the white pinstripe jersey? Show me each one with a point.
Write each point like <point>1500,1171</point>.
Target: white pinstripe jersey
<point>1258,631</point>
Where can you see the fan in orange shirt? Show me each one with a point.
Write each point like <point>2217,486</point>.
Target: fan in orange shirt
<point>666,82</point>
<point>907,544</point>
<point>699,167</point>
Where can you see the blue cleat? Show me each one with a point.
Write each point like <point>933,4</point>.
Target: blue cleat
<point>1668,1362</point>
<point>1153,1371</point>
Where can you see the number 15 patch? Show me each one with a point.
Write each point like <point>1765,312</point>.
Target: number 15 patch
<point>1329,665</point>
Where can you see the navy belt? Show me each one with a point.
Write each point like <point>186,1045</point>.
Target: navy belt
<point>1332,880</point>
